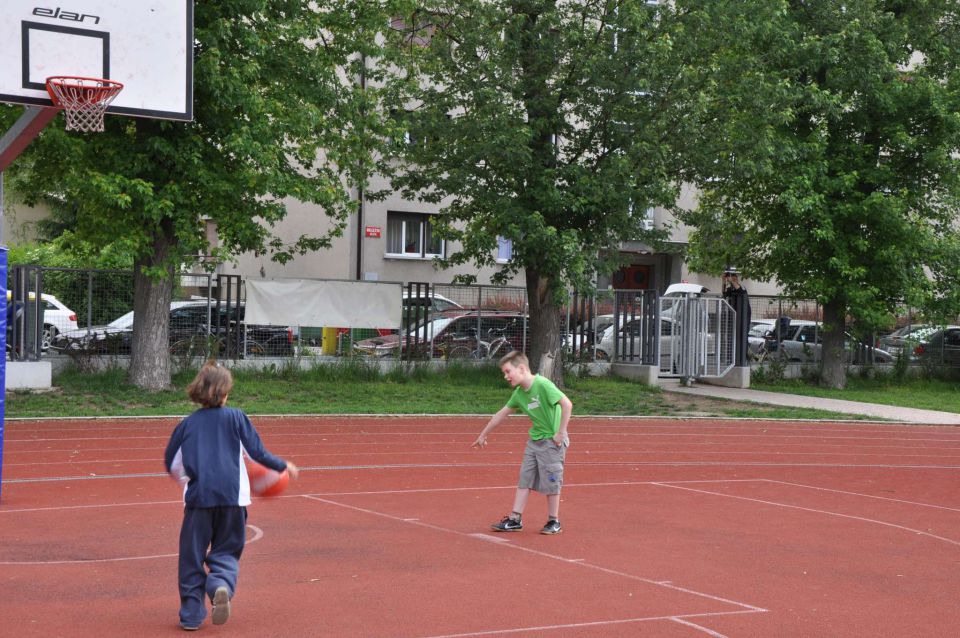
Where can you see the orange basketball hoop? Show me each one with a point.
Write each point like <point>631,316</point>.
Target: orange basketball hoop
<point>84,100</point>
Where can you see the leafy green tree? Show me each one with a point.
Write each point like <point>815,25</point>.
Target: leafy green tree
<point>554,124</point>
<point>831,163</point>
<point>69,260</point>
<point>277,117</point>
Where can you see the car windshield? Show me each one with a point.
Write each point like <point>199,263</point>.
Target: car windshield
<point>435,327</point>
<point>920,333</point>
<point>760,329</point>
<point>126,321</point>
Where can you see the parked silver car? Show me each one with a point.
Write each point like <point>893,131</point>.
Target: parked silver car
<point>757,335</point>
<point>800,341</point>
<point>941,346</point>
<point>905,339</point>
<point>632,346</point>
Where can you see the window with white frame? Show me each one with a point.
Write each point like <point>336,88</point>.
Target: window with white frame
<point>649,220</point>
<point>649,217</point>
<point>504,249</point>
<point>411,235</point>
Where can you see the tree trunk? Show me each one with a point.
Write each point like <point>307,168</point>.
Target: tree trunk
<point>150,348</point>
<point>833,358</point>
<point>544,351</point>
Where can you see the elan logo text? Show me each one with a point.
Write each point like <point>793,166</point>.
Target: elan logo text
<point>69,16</point>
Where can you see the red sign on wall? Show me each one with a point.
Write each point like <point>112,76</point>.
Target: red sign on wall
<point>372,231</point>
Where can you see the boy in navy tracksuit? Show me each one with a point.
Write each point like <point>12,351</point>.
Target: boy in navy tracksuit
<point>205,453</point>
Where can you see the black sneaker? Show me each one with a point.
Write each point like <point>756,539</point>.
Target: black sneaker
<point>507,525</point>
<point>552,527</point>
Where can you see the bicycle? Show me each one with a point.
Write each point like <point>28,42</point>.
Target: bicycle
<point>771,349</point>
<point>453,350</point>
<point>498,345</point>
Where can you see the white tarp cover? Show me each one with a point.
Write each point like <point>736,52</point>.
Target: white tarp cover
<point>334,304</point>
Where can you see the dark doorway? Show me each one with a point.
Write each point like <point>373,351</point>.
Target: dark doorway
<point>633,277</point>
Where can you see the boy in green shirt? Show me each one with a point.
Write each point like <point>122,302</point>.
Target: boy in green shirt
<point>542,468</point>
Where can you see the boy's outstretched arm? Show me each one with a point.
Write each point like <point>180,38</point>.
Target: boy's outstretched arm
<point>494,421</point>
<point>566,409</point>
<point>293,469</point>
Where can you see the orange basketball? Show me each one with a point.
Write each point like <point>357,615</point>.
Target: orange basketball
<point>266,482</point>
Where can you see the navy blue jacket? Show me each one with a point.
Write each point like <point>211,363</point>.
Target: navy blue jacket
<point>206,453</point>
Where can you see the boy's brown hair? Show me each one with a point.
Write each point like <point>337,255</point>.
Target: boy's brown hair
<point>211,385</point>
<point>515,358</point>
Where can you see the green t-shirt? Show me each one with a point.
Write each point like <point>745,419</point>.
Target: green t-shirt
<point>542,404</point>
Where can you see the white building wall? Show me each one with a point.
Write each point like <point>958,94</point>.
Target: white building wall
<point>340,260</point>
<point>20,222</point>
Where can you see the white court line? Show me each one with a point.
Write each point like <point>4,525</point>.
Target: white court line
<point>932,453</point>
<point>59,508</point>
<point>62,439</point>
<point>555,557</point>
<point>884,466</point>
<point>701,628</point>
<point>415,420</point>
<point>490,538</point>
<point>881,498</point>
<point>81,477</point>
<point>428,490</point>
<point>433,490</point>
<point>74,460</point>
<point>82,457</point>
<point>598,623</point>
<point>766,436</point>
<point>257,535</point>
<point>512,464</point>
<point>424,490</point>
<point>817,511</point>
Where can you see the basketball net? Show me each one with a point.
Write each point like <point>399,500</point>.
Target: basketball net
<point>83,100</point>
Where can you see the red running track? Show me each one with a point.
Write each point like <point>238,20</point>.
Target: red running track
<point>673,528</point>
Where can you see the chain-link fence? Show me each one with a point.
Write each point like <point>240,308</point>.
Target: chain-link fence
<point>47,305</point>
<point>790,330</point>
<point>77,312</point>
<point>447,321</point>
<point>86,313</point>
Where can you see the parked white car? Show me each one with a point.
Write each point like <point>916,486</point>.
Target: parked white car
<point>630,341</point>
<point>587,334</point>
<point>57,318</point>
<point>756,336</point>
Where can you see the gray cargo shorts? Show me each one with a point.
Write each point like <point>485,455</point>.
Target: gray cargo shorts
<point>542,466</point>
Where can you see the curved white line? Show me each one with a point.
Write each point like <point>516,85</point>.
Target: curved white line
<point>709,632</point>
<point>918,532</point>
<point>257,535</point>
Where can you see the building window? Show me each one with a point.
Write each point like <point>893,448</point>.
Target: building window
<point>411,235</point>
<point>504,249</point>
<point>649,220</point>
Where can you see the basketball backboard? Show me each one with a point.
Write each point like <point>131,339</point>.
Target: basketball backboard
<point>145,44</point>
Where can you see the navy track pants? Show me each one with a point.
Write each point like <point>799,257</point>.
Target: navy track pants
<point>222,530</point>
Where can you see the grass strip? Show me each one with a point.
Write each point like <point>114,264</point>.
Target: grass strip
<point>358,387</point>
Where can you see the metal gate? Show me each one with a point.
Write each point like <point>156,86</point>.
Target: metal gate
<point>697,337</point>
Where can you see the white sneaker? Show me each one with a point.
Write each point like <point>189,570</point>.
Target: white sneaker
<point>221,606</point>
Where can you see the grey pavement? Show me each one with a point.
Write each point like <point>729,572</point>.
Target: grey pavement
<point>888,412</point>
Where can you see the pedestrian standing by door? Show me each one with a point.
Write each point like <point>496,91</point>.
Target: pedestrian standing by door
<point>736,295</point>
